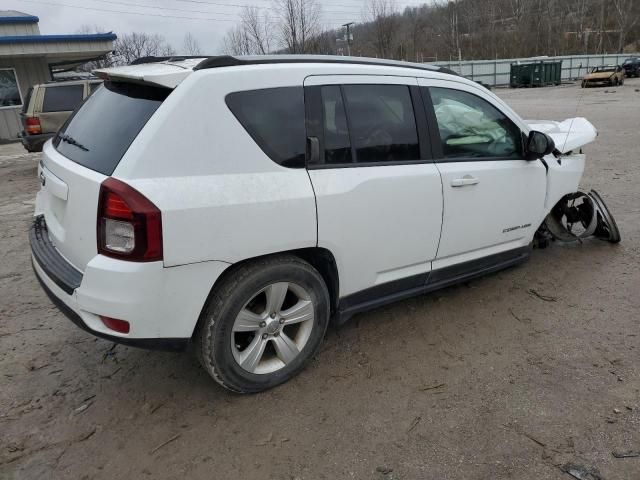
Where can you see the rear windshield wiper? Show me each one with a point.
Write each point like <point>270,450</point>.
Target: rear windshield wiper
<point>72,141</point>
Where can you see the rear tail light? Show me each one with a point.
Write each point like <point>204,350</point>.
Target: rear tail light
<point>129,225</point>
<point>120,326</point>
<point>33,126</point>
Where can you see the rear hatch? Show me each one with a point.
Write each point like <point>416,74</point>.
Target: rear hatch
<point>86,150</point>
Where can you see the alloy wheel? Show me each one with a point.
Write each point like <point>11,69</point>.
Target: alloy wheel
<point>272,328</point>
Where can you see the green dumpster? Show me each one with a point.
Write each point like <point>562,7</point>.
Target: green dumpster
<point>535,74</point>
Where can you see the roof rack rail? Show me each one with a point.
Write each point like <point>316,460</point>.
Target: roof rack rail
<point>231,61</point>
<point>153,59</point>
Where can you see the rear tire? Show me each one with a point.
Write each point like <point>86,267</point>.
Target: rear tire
<point>252,335</point>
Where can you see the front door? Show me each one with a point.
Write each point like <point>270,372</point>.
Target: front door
<point>493,198</point>
<point>378,193</point>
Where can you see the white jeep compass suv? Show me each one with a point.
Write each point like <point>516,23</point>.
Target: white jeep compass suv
<point>239,203</point>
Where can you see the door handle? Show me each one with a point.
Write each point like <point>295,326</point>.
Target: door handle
<point>464,181</point>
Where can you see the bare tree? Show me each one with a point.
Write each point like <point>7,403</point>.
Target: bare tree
<point>104,61</point>
<point>382,16</point>
<point>134,45</point>
<point>258,28</point>
<point>417,23</point>
<point>254,35</point>
<point>580,16</point>
<point>190,45</point>
<point>626,15</point>
<point>299,24</point>
<point>472,29</point>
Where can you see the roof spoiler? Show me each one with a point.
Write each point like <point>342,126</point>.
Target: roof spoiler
<point>153,59</point>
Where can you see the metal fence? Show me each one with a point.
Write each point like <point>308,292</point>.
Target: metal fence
<point>496,72</point>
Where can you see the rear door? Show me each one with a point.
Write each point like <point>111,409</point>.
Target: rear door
<point>71,170</point>
<point>378,194</point>
<point>493,198</point>
<point>58,102</point>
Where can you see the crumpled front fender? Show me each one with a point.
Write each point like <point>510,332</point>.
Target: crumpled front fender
<point>563,177</point>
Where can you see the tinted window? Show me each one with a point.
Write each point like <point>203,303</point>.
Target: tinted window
<point>107,123</point>
<point>471,127</point>
<point>382,123</point>
<point>62,99</point>
<point>337,146</point>
<point>94,86</point>
<point>27,100</point>
<point>274,117</point>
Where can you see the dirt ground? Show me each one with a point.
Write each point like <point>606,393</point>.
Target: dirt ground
<point>481,381</point>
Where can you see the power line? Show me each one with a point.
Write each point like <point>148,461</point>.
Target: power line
<point>140,13</point>
<point>127,13</point>
<point>130,4</point>
<point>112,2</point>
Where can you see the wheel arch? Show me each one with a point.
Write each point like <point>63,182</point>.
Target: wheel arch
<point>319,258</point>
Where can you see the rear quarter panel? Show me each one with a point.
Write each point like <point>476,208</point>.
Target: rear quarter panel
<point>221,197</point>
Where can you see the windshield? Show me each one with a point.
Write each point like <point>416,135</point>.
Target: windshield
<point>604,69</point>
<point>99,133</point>
<point>629,60</point>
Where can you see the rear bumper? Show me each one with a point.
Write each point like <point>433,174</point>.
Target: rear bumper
<point>170,344</point>
<point>162,305</point>
<point>35,142</point>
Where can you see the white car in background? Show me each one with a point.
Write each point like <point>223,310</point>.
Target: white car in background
<point>242,202</point>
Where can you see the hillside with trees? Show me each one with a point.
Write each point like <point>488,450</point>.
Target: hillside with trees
<point>443,30</point>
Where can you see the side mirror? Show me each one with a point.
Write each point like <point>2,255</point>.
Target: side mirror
<point>538,145</point>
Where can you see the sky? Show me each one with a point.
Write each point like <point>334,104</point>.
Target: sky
<point>206,20</point>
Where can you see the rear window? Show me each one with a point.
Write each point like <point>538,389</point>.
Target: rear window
<point>94,86</point>
<point>27,100</point>
<point>274,117</point>
<point>62,98</point>
<point>98,134</point>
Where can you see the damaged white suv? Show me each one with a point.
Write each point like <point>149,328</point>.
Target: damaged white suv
<point>240,203</point>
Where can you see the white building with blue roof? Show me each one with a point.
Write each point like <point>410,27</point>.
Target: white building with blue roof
<point>28,58</point>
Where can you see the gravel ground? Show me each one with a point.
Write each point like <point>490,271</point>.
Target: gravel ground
<point>480,381</point>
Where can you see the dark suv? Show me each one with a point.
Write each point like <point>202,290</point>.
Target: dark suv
<point>632,67</point>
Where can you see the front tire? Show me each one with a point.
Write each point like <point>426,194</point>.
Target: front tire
<point>263,323</point>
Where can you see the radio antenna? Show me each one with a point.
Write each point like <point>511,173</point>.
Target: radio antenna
<point>573,119</point>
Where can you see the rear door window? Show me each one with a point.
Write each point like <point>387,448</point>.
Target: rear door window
<point>62,98</point>
<point>337,144</point>
<point>98,134</point>
<point>274,117</point>
<point>382,123</point>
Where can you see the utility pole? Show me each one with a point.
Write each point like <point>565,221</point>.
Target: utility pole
<point>348,26</point>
